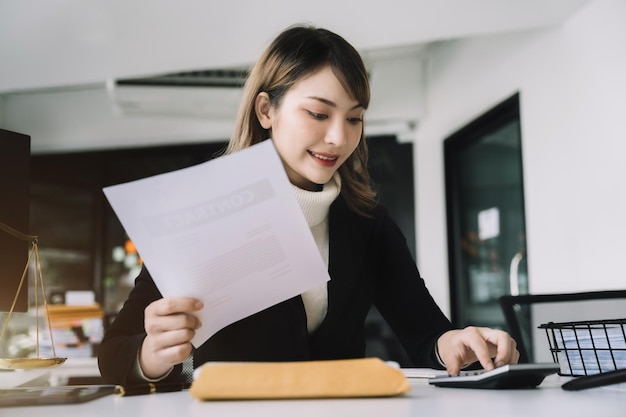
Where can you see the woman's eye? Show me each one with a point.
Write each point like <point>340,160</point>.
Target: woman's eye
<point>318,116</point>
<point>355,120</point>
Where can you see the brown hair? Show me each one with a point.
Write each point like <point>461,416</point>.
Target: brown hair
<point>294,54</point>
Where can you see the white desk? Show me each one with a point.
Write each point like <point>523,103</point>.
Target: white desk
<point>423,401</point>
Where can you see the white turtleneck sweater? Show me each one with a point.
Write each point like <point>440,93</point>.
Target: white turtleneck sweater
<point>315,206</point>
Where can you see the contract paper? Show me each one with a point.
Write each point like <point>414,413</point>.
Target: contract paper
<point>228,231</point>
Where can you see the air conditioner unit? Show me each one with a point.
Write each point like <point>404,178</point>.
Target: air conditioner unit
<point>397,93</point>
<point>396,79</point>
<point>203,94</point>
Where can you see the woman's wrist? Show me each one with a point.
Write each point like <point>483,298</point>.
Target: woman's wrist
<point>140,373</point>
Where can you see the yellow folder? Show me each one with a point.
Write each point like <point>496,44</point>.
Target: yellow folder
<point>368,377</point>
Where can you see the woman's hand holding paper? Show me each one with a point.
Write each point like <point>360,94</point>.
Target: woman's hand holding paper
<point>170,325</point>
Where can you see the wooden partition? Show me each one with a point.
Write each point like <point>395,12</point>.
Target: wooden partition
<point>14,212</point>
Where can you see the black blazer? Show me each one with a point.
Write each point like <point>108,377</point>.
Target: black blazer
<point>369,264</point>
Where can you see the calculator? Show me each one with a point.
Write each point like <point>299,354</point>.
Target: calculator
<point>512,376</point>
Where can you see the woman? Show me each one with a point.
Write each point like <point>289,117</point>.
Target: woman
<point>308,93</point>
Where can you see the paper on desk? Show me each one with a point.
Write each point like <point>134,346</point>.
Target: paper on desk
<point>228,231</point>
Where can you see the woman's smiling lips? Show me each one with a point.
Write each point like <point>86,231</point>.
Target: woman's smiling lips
<point>324,159</point>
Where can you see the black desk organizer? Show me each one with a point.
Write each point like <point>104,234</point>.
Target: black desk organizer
<point>587,347</point>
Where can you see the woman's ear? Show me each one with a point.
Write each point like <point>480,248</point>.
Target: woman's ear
<point>263,108</point>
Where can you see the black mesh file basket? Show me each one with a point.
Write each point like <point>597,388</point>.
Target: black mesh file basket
<point>587,347</point>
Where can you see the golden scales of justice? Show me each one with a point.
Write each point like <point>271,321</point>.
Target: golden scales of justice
<point>38,361</point>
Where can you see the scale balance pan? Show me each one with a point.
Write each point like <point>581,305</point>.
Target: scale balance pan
<point>30,363</point>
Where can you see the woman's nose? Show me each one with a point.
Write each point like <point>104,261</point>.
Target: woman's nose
<point>337,134</point>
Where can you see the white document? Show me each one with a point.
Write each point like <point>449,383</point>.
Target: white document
<point>228,231</point>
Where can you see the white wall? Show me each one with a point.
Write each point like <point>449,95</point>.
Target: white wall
<point>84,118</point>
<point>572,84</point>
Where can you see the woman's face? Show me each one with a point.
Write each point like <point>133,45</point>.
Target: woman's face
<point>315,129</point>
